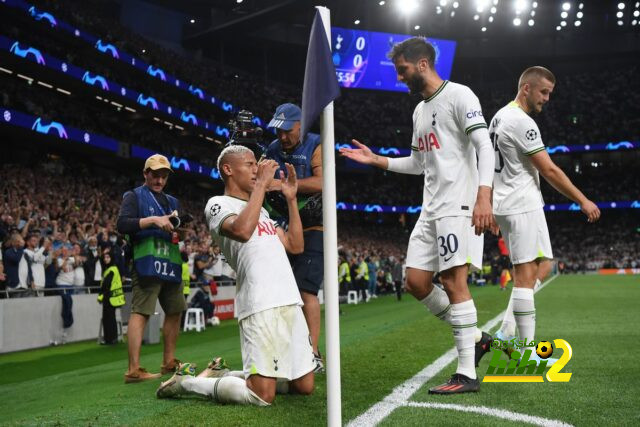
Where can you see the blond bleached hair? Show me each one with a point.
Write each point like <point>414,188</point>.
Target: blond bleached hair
<point>534,74</point>
<point>232,150</point>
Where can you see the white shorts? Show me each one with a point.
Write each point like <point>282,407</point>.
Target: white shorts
<point>443,243</point>
<point>526,236</point>
<point>276,343</point>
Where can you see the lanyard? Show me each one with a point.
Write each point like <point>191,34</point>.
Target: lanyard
<point>154,199</point>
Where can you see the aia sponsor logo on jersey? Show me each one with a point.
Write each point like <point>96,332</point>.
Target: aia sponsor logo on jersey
<point>428,142</point>
<point>266,227</point>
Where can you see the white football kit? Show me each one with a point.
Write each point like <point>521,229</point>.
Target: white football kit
<point>443,236</point>
<point>274,335</point>
<point>517,199</point>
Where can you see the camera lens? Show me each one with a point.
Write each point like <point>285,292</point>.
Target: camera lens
<point>175,221</point>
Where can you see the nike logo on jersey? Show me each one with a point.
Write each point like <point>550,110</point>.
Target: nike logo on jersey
<point>428,143</point>
<point>447,259</point>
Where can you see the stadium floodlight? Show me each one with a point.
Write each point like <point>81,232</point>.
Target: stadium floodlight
<point>579,15</point>
<point>193,21</point>
<point>407,6</point>
<point>239,1</point>
<point>621,5</point>
<point>634,22</point>
<point>533,13</point>
<point>563,23</point>
<point>531,22</point>
<point>476,17</point>
<point>417,27</point>
<point>577,23</point>
<point>566,6</point>
<point>636,13</point>
<point>564,15</point>
<point>517,21</point>
<point>534,4</point>
<point>484,29</point>
<point>481,5</point>
<point>620,14</point>
<point>453,13</point>
<point>521,5</point>
<point>491,19</point>
<point>620,23</point>
<point>455,4</point>
<point>493,10</point>
<point>495,2</point>
<point>381,2</point>
<point>438,10</point>
<point>580,6</point>
<point>357,22</point>
<point>558,28</point>
<point>443,3</point>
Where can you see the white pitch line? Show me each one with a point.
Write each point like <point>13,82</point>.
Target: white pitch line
<point>401,394</point>
<point>492,412</point>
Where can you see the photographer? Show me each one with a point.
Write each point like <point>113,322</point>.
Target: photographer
<point>149,217</point>
<point>305,154</point>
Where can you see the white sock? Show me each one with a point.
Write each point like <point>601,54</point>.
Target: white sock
<point>524,311</point>
<point>437,302</point>
<point>464,320</point>
<point>227,389</point>
<point>508,327</point>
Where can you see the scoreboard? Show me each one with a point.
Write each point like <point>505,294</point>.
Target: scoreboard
<point>361,62</point>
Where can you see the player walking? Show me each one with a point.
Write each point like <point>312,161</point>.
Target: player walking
<point>517,200</point>
<point>456,198</point>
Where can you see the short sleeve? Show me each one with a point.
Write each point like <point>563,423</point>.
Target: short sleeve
<point>468,111</point>
<point>216,211</point>
<point>526,137</point>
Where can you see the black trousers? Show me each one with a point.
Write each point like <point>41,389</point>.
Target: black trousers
<point>109,325</point>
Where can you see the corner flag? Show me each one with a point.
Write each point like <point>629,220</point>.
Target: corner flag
<point>320,82</point>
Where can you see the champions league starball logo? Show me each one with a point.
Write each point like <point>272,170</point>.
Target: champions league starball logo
<point>531,134</point>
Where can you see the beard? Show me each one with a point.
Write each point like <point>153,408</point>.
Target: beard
<point>416,84</point>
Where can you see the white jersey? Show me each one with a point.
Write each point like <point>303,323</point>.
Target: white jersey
<point>441,125</point>
<point>264,277</point>
<point>516,183</point>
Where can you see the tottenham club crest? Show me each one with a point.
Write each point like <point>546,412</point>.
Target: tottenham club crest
<point>215,209</point>
<point>531,134</point>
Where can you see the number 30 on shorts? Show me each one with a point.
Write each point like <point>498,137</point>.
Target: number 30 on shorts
<point>448,245</point>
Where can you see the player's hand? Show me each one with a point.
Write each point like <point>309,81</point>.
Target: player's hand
<point>361,154</point>
<point>266,171</point>
<point>289,184</point>
<point>590,210</point>
<point>482,218</point>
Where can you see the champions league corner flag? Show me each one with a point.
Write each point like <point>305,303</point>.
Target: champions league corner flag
<point>319,90</point>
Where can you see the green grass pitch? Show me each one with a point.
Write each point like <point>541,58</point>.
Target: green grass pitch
<point>383,344</point>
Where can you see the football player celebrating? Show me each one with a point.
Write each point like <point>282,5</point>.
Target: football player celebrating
<point>448,132</point>
<point>275,341</point>
<point>517,200</point>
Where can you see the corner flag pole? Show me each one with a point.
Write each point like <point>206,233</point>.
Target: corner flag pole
<point>330,248</point>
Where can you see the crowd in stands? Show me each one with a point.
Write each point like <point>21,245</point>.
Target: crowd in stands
<point>586,107</point>
<point>61,213</point>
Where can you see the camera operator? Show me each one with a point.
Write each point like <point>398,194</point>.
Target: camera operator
<point>149,217</point>
<point>305,154</point>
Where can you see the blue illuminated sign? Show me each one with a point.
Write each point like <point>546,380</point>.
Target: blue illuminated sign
<point>25,52</point>
<point>92,80</point>
<point>41,127</point>
<point>360,58</point>
<point>156,72</point>
<point>147,101</point>
<point>196,91</point>
<point>39,16</point>
<point>106,47</point>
